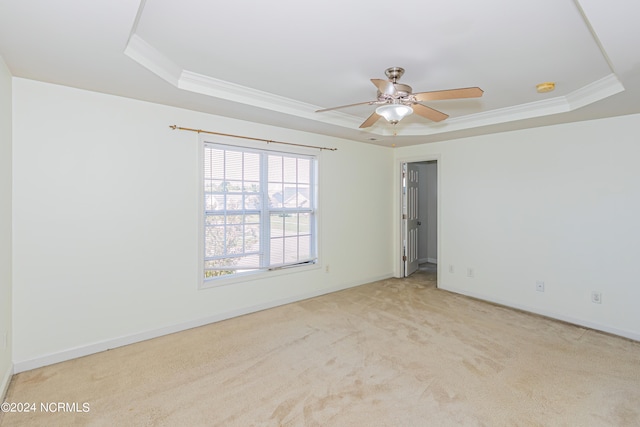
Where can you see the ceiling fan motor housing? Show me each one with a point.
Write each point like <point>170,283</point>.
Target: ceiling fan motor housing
<point>401,90</point>
<point>402,95</point>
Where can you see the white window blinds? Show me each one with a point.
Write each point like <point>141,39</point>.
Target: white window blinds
<point>259,210</point>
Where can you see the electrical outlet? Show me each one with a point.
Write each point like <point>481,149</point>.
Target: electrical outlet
<point>470,272</point>
<point>596,297</point>
<point>540,286</point>
<point>326,268</point>
<point>451,269</point>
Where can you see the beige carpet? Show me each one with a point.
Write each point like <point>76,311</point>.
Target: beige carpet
<point>390,353</point>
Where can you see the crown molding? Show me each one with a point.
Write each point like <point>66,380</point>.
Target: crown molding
<point>151,59</point>
<point>593,92</point>
<point>156,62</point>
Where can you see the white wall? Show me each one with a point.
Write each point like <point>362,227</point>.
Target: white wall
<point>558,204</point>
<point>6,367</point>
<point>106,219</point>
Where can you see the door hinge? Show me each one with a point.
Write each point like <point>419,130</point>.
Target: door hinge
<point>404,258</point>
<point>404,216</point>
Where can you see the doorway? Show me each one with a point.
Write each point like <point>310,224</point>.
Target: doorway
<point>420,217</point>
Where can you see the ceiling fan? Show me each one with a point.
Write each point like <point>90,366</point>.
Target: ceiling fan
<point>396,100</point>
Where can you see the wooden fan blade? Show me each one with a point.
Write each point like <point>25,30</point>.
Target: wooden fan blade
<point>429,113</point>
<point>370,120</point>
<point>384,86</point>
<point>345,106</point>
<point>467,92</point>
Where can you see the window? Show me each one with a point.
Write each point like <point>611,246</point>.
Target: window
<point>259,210</point>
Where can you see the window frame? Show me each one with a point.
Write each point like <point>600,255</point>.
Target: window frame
<point>205,283</point>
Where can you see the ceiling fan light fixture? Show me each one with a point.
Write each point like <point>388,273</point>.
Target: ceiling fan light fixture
<point>393,113</point>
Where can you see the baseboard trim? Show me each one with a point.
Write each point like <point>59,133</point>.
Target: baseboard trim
<point>98,347</point>
<point>635,336</point>
<point>4,383</point>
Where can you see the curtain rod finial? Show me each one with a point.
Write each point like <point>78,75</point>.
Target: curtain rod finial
<point>174,127</point>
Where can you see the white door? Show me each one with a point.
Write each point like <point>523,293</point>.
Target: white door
<point>410,216</point>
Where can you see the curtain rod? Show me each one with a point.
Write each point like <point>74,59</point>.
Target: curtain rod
<point>268,141</point>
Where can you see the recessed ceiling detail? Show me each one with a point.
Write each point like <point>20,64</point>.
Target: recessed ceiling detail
<point>259,66</point>
<point>152,59</point>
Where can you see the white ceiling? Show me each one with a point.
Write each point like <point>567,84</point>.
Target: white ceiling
<point>277,62</point>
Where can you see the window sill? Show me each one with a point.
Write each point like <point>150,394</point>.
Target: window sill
<point>260,275</point>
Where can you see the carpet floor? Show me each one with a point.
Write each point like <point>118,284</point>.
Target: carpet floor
<point>397,352</point>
